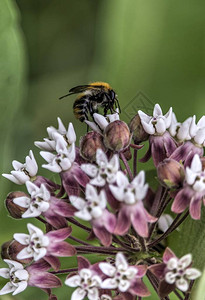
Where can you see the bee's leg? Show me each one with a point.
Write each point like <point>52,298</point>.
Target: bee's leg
<point>118,104</point>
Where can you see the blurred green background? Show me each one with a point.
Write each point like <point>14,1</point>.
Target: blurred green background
<point>152,51</point>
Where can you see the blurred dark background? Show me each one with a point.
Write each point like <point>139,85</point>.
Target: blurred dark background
<point>152,51</point>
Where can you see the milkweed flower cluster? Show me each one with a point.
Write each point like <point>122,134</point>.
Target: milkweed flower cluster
<point>127,221</point>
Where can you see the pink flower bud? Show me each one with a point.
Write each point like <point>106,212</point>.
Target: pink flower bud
<point>117,136</point>
<point>171,172</point>
<point>15,210</point>
<point>89,144</point>
<point>10,250</point>
<point>139,134</point>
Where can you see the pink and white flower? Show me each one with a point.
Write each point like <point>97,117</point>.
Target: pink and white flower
<point>63,160</point>
<point>162,145</point>
<point>17,275</point>
<point>41,202</point>
<point>23,172</point>
<point>132,210</point>
<point>174,272</point>
<point>193,191</point>
<point>88,281</point>
<point>105,171</point>
<point>39,245</point>
<point>123,277</point>
<point>93,209</point>
<point>158,123</point>
<point>20,277</point>
<point>49,143</point>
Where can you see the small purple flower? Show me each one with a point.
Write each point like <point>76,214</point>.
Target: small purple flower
<point>21,277</point>
<point>105,171</point>
<point>174,272</point>
<point>161,143</point>
<point>41,202</point>
<point>132,209</point>
<point>157,124</point>
<point>49,143</point>
<point>93,209</point>
<point>123,277</point>
<point>193,191</point>
<point>88,281</point>
<point>23,172</point>
<point>39,245</point>
<point>63,159</point>
<point>192,136</point>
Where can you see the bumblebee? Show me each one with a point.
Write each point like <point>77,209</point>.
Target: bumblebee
<point>91,97</point>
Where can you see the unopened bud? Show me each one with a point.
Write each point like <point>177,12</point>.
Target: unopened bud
<point>117,136</point>
<point>10,250</point>
<point>139,134</point>
<point>15,210</point>
<point>170,172</point>
<point>89,144</point>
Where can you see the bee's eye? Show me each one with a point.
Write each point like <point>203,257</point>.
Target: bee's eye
<point>112,94</point>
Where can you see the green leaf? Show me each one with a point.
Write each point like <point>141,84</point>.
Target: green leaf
<point>198,293</point>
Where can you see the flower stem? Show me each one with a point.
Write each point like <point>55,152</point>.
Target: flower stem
<point>64,271</point>
<point>78,240</point>
<point>135,162</point>
<point>126,165</point>
<point>177,221</point>
<point>75,222</point>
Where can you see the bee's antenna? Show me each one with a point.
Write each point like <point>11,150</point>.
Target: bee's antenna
<point>65,96</point>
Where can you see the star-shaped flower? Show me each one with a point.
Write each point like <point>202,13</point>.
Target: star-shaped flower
<point>105,171</point>
<point>88,284</point>
<point>37,203</point>
<point>23,172</point>
<point>49,143</point>
<point>63,160</point>
<point>158,123</point>
<point>18,278</point>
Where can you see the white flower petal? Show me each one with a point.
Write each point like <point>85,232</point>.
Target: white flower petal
<point>182,284</point>
<point>100,120</point>
<point>77,202</point>
<point>4,272</point>
<point>117,192</point>
<point>22,201</point>
<point>98,181</point>
<point>71,136</point>
<point>8,288</point>
<point>148,127</point>
<point>31,213</point>
<point>93,294</point>
<point>24,253</point>
<point>101,158</point>
<point>160,126</point>
<point>78,294</point>
<point>20,176</point>
<point>73,281</point>
<point>22,274</point>
<point>157,111</point>
<point>12,178</point>
<point>185,261</point>
<point>109,283</point>
<point>120,261</point>
<point>89,169</point>
<point>168,118</point>
<point>192,273</point>
<point>144,117</point>
<point>107,269</point>
<point>196,165</point>
<point>47,156</point>
<point>22,238</point>
<point>93,126</point>
<point>33,229</point>
<point>124,285</point>
<point>84,215</point>
<point>172,263</point>
<point>42,252</point>
<point>21,287</point>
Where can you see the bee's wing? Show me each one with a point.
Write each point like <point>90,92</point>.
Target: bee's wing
<point>77,89</point>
